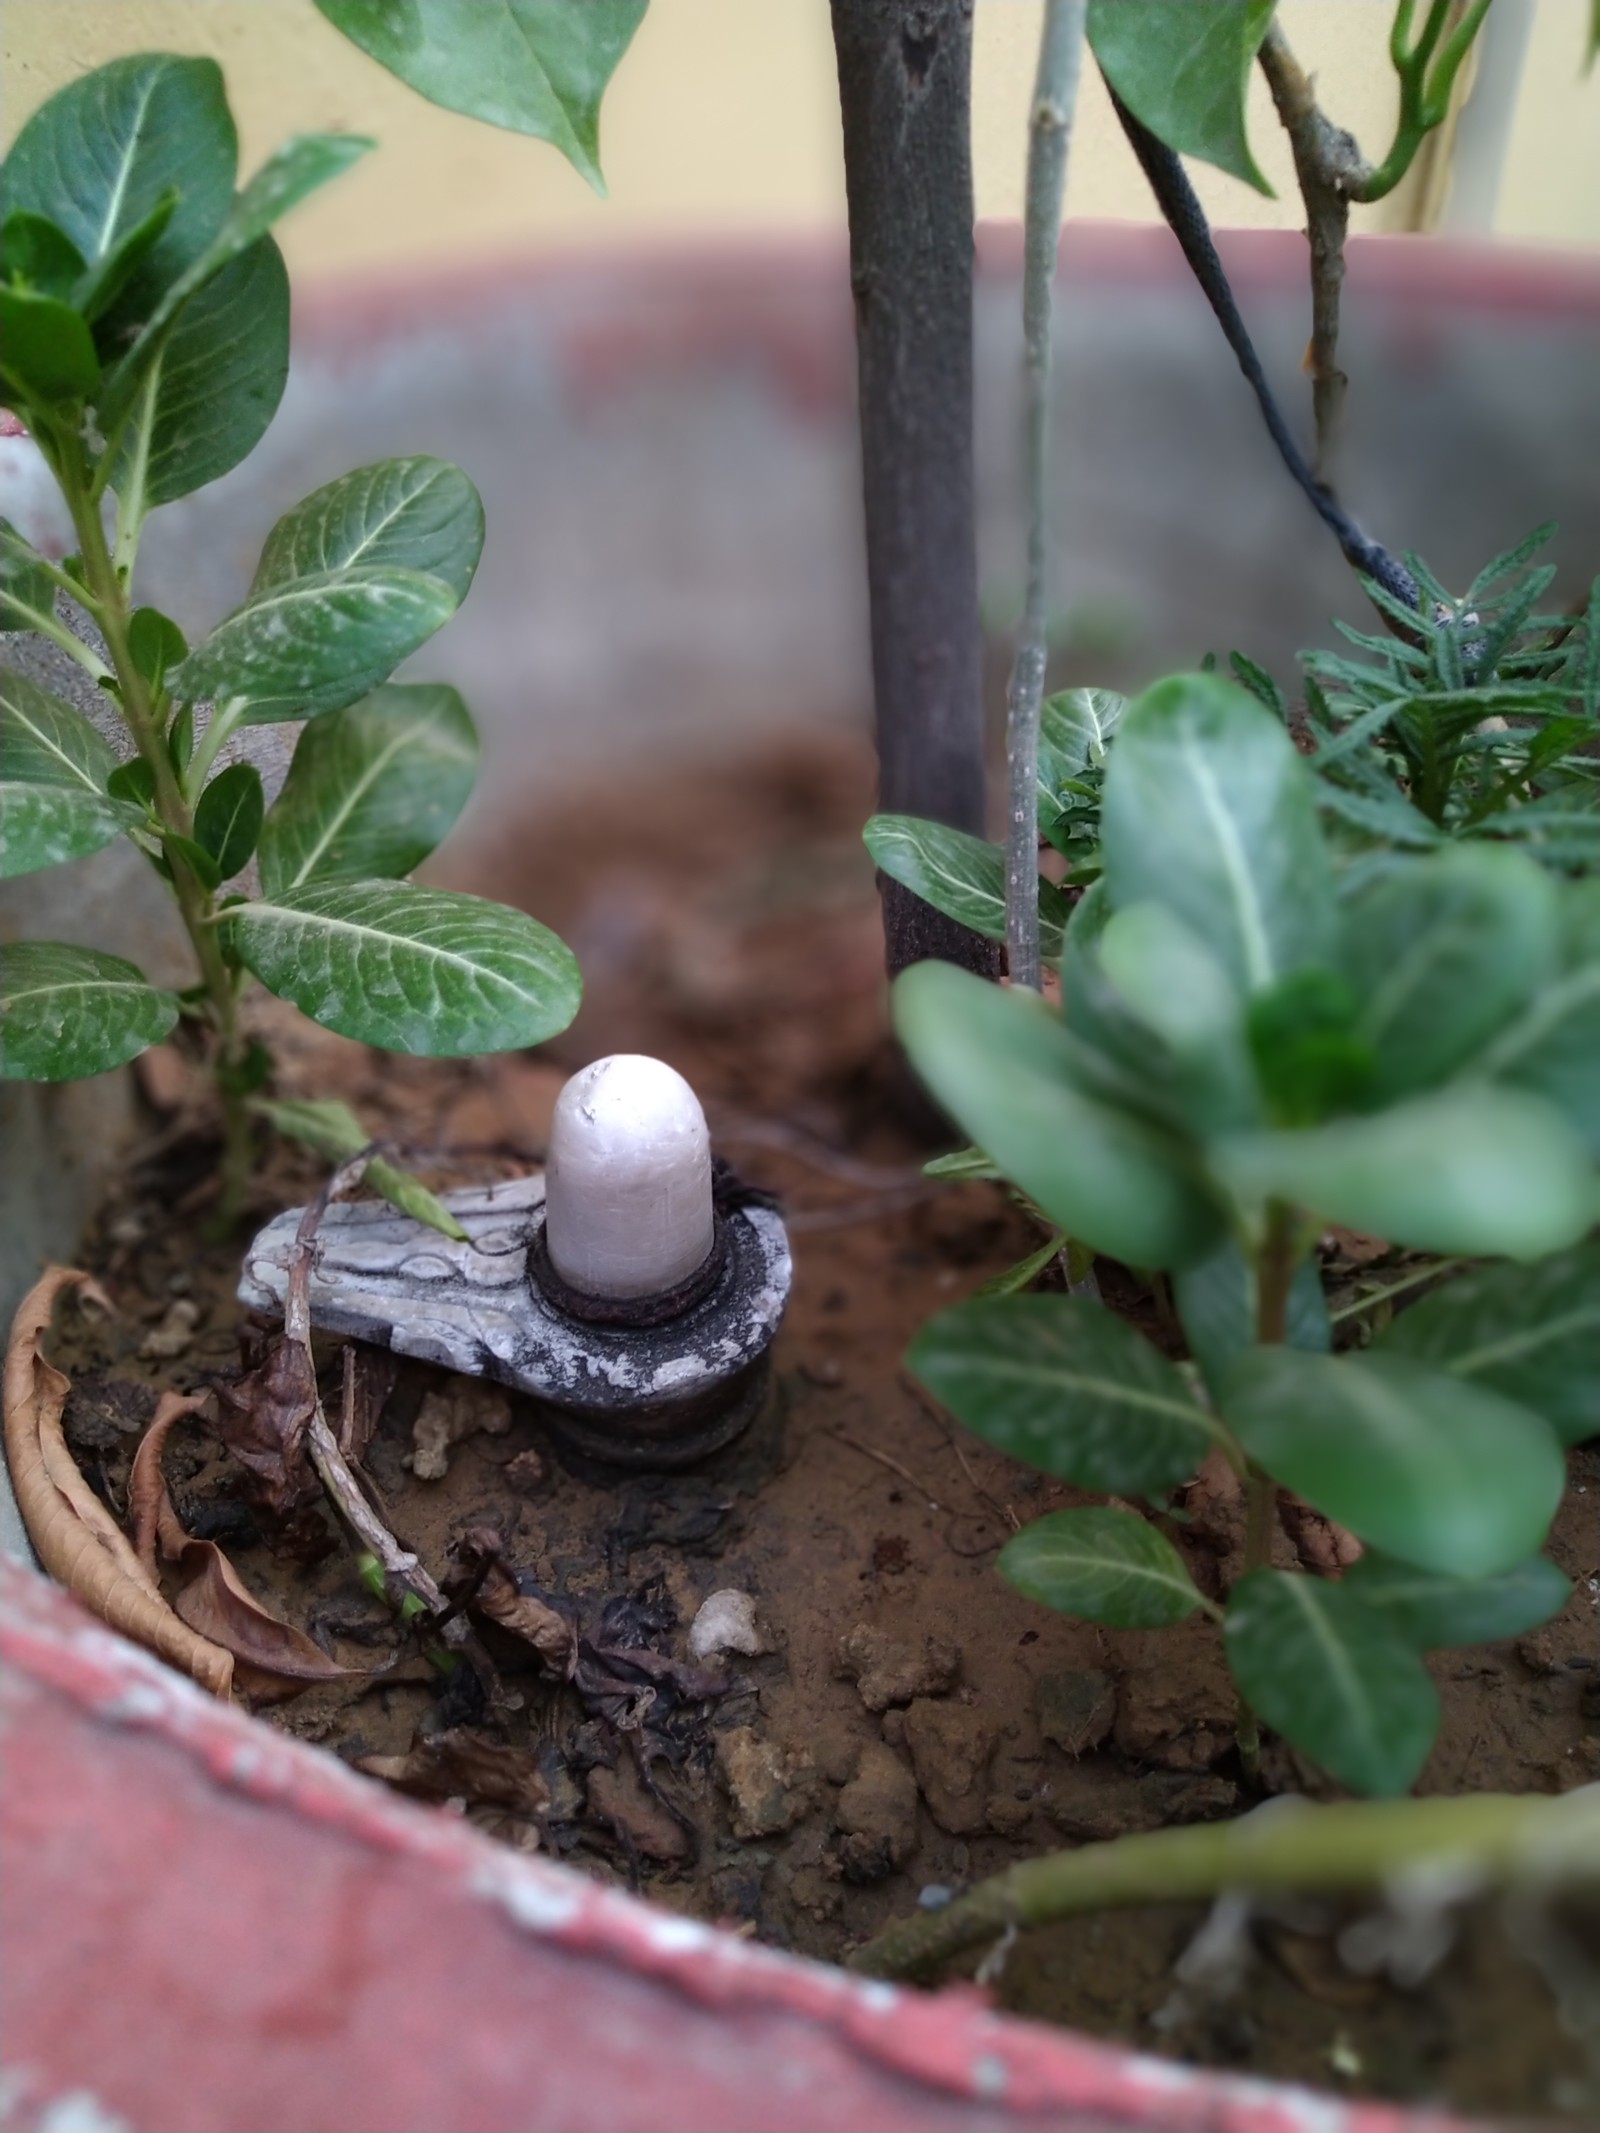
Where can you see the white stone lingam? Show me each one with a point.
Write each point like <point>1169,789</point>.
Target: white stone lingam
<point>628,1208</point>
<point>579,1287</point>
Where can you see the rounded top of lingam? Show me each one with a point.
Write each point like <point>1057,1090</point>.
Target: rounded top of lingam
<point>628,1210</point>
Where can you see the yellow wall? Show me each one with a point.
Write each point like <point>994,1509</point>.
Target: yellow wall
<point>721,119</point>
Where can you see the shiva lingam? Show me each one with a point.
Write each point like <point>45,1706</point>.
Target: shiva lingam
<point>625,1288</point>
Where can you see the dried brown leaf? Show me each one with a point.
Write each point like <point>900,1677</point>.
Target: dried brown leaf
<point>526,1614</point>
<point>263,1416</point>
<point>273,1659</point>
<point>463,1765</point>
<point>77,1539</point>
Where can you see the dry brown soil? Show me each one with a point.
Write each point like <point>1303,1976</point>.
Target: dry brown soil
<point>915,1724</point>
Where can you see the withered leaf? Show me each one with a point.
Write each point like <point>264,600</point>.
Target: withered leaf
<point>516,1603</point>
<point>263,1416</point>
<point>271,1658</point>
<point>77,1539</point>
<point>462,1764</point>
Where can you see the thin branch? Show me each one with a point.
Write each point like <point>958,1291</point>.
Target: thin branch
<point>1055,97</point>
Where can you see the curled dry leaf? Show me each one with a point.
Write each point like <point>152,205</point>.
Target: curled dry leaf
<point>77,1539</point>
<point>263,1416</point>
<point>272,1658</point>
<point>463,1765</point>
<point>515,1603</point>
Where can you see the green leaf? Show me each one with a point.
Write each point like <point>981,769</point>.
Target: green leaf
<point>69,1012</point>
<point>1168,977</point>
<point>409,969</point>
<point>1102,1566</point>
<point>134,782</point>
<point>1075,729</point>
<point>194,856</point>
<point>1310,1057</point>
<point>531,66</point>
<point>315,644</point>
<point>1434,1612</point>
<point>1472,1170</point>
<point>412,514</point>
<point>227,821</point>
<point>104,282</point>
<point>1553,1046</point>
<point>155,643</point>
<point>46,350</point>
<point>303,164</point>
<point>1443,951</point>
<point>372,789</point>
<point>1531,1333</point>
<point>1218,1304</point>
<point>1333,1676</point>
<point>101,157</point>
<point>1015,1279</point>
<point>1441,1473</point>
<point>333,1131</point>
<point>960,875</point>
<point>964,1166</point>
<point>1064,1385</point>
<point>41,257</point>
<point>1209,810</point>
<point>1000,1064</point>
<point>1184,70</point>
<point>27,593</point>
<point>54,769</point>
<point>220,377</point>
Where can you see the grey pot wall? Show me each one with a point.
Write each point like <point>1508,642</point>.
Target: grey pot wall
<point>666,448</point>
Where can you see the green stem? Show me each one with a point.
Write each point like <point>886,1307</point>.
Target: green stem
<point>107,589</point>
<point>1424,97</point>
<point>224,725</point>
<point>1395,1288</point>
<point>1274,1278</point>
<point>1352,1845</point>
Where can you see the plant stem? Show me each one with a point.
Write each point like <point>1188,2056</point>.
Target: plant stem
<point>1352,1845</point>
<point>1055,96</point>
<point>1413,1280</point>
<point>107,590</point>
<point>1275,1266</point>
<point>1328,165</point>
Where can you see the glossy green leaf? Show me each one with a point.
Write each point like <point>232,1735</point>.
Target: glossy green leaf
<point>1434,1612</point>
<point>1000,1064</point>
<point>1064,1385</point>
<point>102,156</point>
<point>1169,979</point>
<point>1437,1471</point>
<point>315,644</point>
<point>134,782</point>
<point>1017,1278</point>
<point>1553,1045</point>
<point>1217,1305</point>
<point>1333,1676</point>
<point>34,253</point>
<point>372,789</point>
<point>1443,951</point>
<point>532,66</point>
<point>409,969</point>
<point>46,350</point>
<point>53,771</point>
<point>106,280</point>
<point>1075,729</point>
<point>1116,1056</point>
<point>69,1012</point>
<point>1531,1333</point>
<point>411,514</point>
<point>1473,1170</point>
<point>1102,1566</point>
<point>333,1131</point>
<point>27,593</point>
<point>155,643</point>
<point>227,820</point>
<point>221,374</point>
<point>1184,70</point>
<point>1309,1053</point>
<point>963,876</point>
<point>1210,811</point>
<point>194,856</point>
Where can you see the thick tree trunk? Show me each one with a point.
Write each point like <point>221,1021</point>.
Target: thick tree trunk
<point>904,90</point>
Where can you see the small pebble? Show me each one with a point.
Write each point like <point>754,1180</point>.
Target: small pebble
<point>934,1897</point>
<point>726,1622</point>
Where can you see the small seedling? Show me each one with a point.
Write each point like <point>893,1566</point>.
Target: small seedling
<point>1242,1059</point>
<point>145,314</point>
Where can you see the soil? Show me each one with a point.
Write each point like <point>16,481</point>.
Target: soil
<point>905,1723</point>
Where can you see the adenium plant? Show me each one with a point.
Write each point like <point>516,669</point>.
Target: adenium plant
<point>144,309</point>
<point>1240,1059</point>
